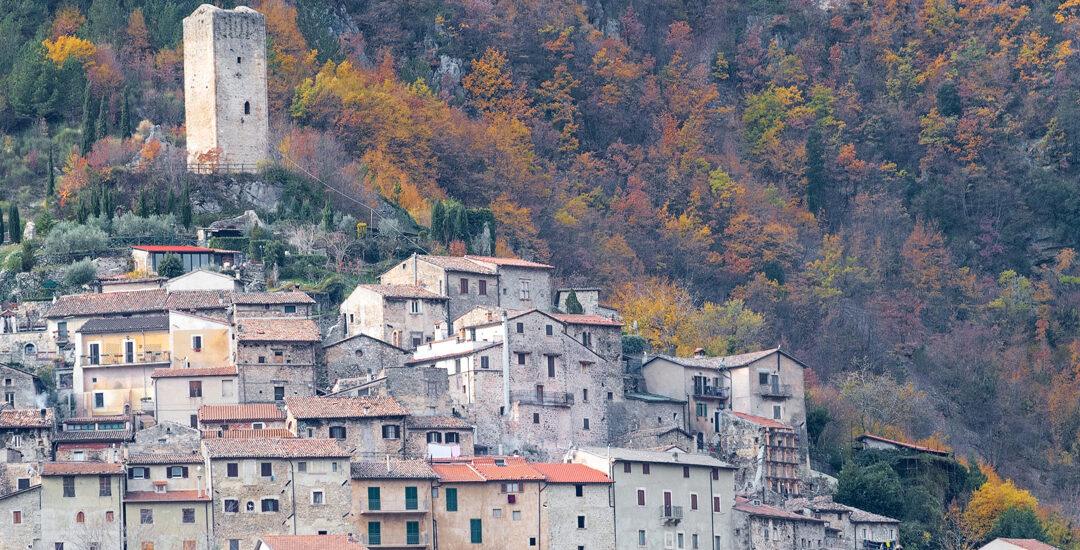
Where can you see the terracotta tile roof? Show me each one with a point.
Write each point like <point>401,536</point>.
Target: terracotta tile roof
<point>1028,544</point>
<point>175,249</point>
<point>26,418</point>
<point>513,468</point>
<point>168,496</point>
<point>86,305</point>
<point>236,413</point>
<point>94,419</point>
<point>457,473</point>
<point>817,504</point>
<point>193,300</point>
<point>393,469</point>
<point>862,516</point>
<point>403,292</point>
<point>428,422</point>
<point>81,468</point>
<point>436,358</point>
<point>558,472</point>
<point>109,325</point>
<point>273,448</point>
<point>309,542</point>
<point>456,263</point>
<point>344,407</point>
<point>92,436</point>
<point>195,371</point>
<point>165,458</point>
<point>278,330</point>
<point>763,510</point>
<point>762,421</point>
<point>259,298</point>
<point>911,446</point>
<point>247,433</point>
<point>578,319</point>
<point>509,262</point>
<point>719,363</point>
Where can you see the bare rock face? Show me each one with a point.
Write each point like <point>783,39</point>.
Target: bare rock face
<point>228,193</point>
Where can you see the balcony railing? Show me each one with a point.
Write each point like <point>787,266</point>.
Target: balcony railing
<point>407,507</point>
<point>671,514</point>
<point>775,390</point>
<point>547,398</point>
<point>141,358</point>
<point>710,392</point>
<point>875,545</point>
<point>410,540</point>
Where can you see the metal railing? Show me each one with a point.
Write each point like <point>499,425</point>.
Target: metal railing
<point>547,398</point>
<point>418,540</point>
<point>710,391</point>
<point>671,513</point>
<point>407,507</point>
<point>141,358</point>
<point>775,390</point>
<point>221,167</point>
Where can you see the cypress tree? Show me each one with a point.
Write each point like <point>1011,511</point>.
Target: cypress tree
<point>50,184</point>
<point>170,203</point>
<point>108,204</point>
<point>142,209</point>
<point>87,121</point>
<point>461,224</point>
<point>2,229</point>
<point>815,171</point>
<point>185,208</point>
<point>328,217</point>
<point>102,126</point>
<point>438,212</point>
<point>573,306</point>
<point>125,117</point>
<point>15,223</point>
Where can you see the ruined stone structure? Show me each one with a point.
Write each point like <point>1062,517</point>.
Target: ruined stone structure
<point>225,89</point>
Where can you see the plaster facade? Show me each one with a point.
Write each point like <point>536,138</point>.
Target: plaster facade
<point>20,519</point>
<point>84,514</point>
<point>18,388</point>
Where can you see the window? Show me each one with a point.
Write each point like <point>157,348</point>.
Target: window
<point>586,339</point>
<point>641,497</point>
<point>337,432</point>
<point>686,471</point>
<point>579,490</point>
<point>516,515</point>
<point>716,504</point>
<point>193,421</point>
<point>549,330</point>
<point>79,456</point>
<point>482,284</point>
<point>512,487</point>
<point>80,517</point>
<point>524,289</point>
<point>16,516</point>
<point>716,473</point>
<point>777,412</point>
<point>195,388</point>
<point>69,486</point>
<point>196,342</point>
<point>645,468</point>
<point>412,502</point>
<point>301,466</point>
<point>279,357</point>
<point>290,309</point>
<point>763,378</point>
<point>189,545</point>
<point>390,431</point>
<point>188,515</point>
<point>176,471</point>
<point>496,512</point>
<point>266,469</point>
<point>146,516</point>
<point>24,483</point>
<point>232,469</point>
<point>234,544</point>
<point>693,501</point>
<point>521,328</point>
<point>585,395</point>
<point>581,522</point>
<point>262,359</point>
<point>9,398</point>
<point>109,516</point>
<point>452,437</point>
<point>551,366</point>
<point>451,499</point>
<point>232,506</point>
<point>484,362</point>
<point>247,108</point>
<point>702,410</point>
<point>58,546</point>
<point>626,467</point>
<point>257,425</point>
<point>269,505</point>
<point>679,537</point>
<point>279,391</point>
<point>641,537</point>
<point>104,486</point>
<point>412,532</point>
<point>317,498</point>
<point>536,418</point>
<point>521,358</point>
<point>374,498</point>
<point>476,529</point>
<point>99,400</point>
<point>434,437</point>
<point>463,286</point>
<point>374,533</point>
<point>585,426</point>
<point>226,388</point>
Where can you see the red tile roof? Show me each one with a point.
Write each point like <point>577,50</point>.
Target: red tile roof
<point>760,420</point>
<point>233,413</point>
<point>393,469</point>
<point>259,298</point>
<point>457,473</point>
<point>273,448</point>
<point>510,262</point>
<point>557,472</point>
<point>456,263</point>
<point>278,330</point>
<point>579,319</point>
<point>912,446</point>
<point>1028,544</point>
<point>177,372</point>
<point>344,407</point>
<point>165,458</point>
<point>309,542</point>
<point>403,291</point>
<point>763,510</point>
<point>176,249</point>
<point>85,305</point>
<point>510,472</point>
<point>81,468</point>
<point>26,418</point>
<point>247,433</point>
<point>168,496</point>
<point>189,300</point>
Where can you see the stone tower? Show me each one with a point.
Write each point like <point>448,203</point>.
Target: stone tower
<point>225,88</point>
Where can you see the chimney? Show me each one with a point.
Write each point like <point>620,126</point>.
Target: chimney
<point>699,353</point>
<point>43,411</point>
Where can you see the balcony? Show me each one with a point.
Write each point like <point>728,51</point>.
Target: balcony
<point>671,514</point>
<point>875,545</point>
<point>775,390</point>
<point>546,399</point>
<point>410,540</point>
<point>709,392</point>
<point>114,359</point>
<point>390,508</point>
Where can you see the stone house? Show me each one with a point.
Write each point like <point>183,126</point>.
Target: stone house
<point>850,527</point>
<point>758,526</point>
<point>438,437</point>
<point>403,315</point>
<point>357,356</point>
<point>276,486</point>
<point>114,361</point>
<point>199,342</point>
<point>206,304</point>
<point>577,511</point>
<point>180,392</point>
<point>369,428</point>
<point>276,358</point>
<point>26,434</point>
<point>766,452</point>
<point>254,416</point>
<point>204,279</point>
<point>70,311</point>
<point>640,412</point>
<point>20,518</point>
<point>652,438</point>
<point>522,284</point>
<point>391,503</point>
<point>873,531</point>
<point>165,437</point>
<point>589,298</point>
<point>600,334</point>
<point>19,388</point>
<point>466,283</point>
<point>666,499</point>
<point>95,438</point>
<point>166,504</point>
<point>83,504</point>
<point>289,304</point>
<point>870,441</point>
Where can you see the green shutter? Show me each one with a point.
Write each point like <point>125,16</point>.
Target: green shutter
<point>476,531</point>
<point>412,532</point>
<point>451,500</point>
<point>374,533</point>
<point>374,502</point>
<point>410,499</point>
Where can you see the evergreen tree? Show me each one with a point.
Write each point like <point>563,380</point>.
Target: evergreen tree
<point>2,229</point>
<point>1018,522</point>
<point>170,266</point>
<point>815,171</point>
<point>45,222</point>
<point>142,208</point>
<point>170,202</point>
<point>87,120</point>
<point>50,185</point>
<point>125,117</point>
<point>14,223</point>
<point>108,204</point>
<point>102,126</point>
<point>26,256</point>
<point>185,208</point>
<point>328,217</point>
<point>461,224</point>
<point>573,306</point>
<point>82,211</point>
<point>438,212</point>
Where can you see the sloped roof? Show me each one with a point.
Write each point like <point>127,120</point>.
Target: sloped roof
<point>183,249</point>
<point>764,510</point>
<point>247,433</point>
<point>273,448</point>
<point>230,413</point>
<point>188,300</point>
<point>862,516</point>
<point>271,298</point>
<point>81,468</point>
<point>581,319</point>
<point>509,262</point>
<point>164,458</point>
<point>393,469</point>
<point>657,457</point>
<point>92,436</point>
<point>1027,544</point>
<point>912,446</point>
<point>309,542</point>
<point>652,397</point>
<point>817,504</point>
<point>719,363</point>
<point>169,496</point>
<point>762,421</point>
<point>457,473</point>
<point>278,330</point>
<point>445,356</point>
<point>456,263</point>
<point>85,305</point>
<point>442,422</point>
<point>344,407</point>
<point>403,292</point>
<point>194,371</point>
<point>111,325</point>
<point>26,418</point>
<point>558,472</point>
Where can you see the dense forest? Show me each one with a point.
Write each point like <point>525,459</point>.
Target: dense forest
<point>888,190</point>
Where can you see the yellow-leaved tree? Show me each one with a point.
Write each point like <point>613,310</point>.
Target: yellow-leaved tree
<point>989,501</point>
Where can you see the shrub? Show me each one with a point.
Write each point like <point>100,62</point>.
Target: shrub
<point>171,266</point>
<point>230,243</point>
<point>80,273</point>
<point>130,225</point>
<point>68,237</point>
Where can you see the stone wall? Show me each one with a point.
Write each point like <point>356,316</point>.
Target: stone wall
<point>762,533</point>
<point>363,436</point>
<point>18,389</point>
<point>257,381</point>
<point>357,357</point>
<point>421,390</point>
<point>35,444</point>
<point>562,508</point>
<point>293,353</point>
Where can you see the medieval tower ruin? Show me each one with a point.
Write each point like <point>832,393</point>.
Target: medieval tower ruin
<point>225,89</point>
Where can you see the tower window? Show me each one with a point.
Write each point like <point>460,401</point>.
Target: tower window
<point>238,60</point>
<point>247,108</point>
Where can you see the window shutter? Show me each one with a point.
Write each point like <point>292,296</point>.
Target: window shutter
<point>185,470</point>
<point>168,473</point>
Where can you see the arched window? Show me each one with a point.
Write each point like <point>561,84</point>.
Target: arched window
<point>80,518</point>
<point>29,349</point>
<point>247,108</point>
<point>250,506</point>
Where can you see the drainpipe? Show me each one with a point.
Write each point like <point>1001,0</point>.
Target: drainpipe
<point>539,513</point>
<point>292,483</point>
<point>712,514</point>
<point>414,274</point>
<point>506,364</point>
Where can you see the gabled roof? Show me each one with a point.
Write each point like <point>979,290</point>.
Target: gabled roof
<point>169,496</point>
<point>558,472</point>
<point>456,354</point>
<point>164,458</point>
<point>652,397</point>
<point>114,325</point>
<point>271,298</point>
<point>81,468</point>
<point>457,473</point>
<point>92,436</point>
<point>508,262</point>
<point>456,263</point>
<point>307,542</point>
<point>721,363</point>
<point>403,292</point>
<point>237,413</point>
<point>273,448</point>
<point>344,407</point>
<point>817,504</point>
<point>656,457</point>
<point>862,516</point>
<point>26,418</point>
<point>20,491</point>
<point>581,319</point>
<point>911,446</point>
<point>277,330</point>
<point>194,300</point>
<point>109,303</point>
<point>1026,544</point>
<point>762,421</point>
<point>764,510</point>
<point>194,371</point>
<point>393,469</point>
